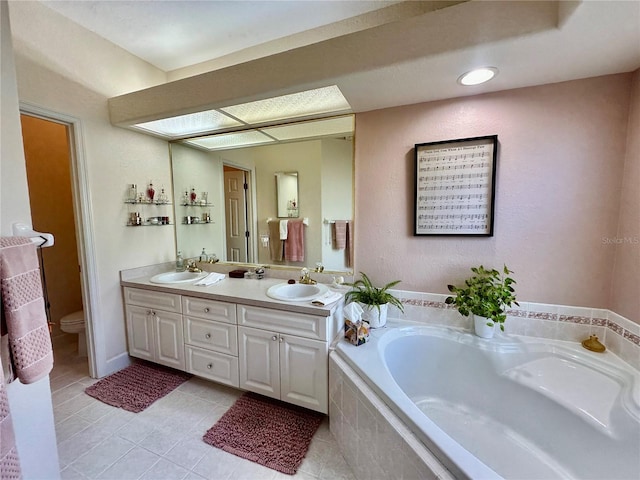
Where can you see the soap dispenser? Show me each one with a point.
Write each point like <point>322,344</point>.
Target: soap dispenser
<point>203,256</point>
<point>179,262</point>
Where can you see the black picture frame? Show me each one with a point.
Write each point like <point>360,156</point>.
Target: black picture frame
<point>455,184</point>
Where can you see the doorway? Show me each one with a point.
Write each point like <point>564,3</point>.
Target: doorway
<point>237,214</point>
<point>48,159</point>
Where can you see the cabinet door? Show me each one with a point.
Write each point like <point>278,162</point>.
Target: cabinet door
<point>259,363</point>
<point>140,332</point>
<point>169,339</point>
<point>304,372</point>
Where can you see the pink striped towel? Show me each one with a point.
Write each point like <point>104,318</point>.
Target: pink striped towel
<point>9,461</point>
<point>23,309</point>
<point>294,245</point>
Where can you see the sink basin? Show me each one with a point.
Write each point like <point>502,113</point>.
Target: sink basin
<point>296,292</point>
<point>177,277</point>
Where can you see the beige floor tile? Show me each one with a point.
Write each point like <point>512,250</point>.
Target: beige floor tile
<point>96,440</point>
<point>132,466</point>
<point>102,456</point>
<point>165,470</point>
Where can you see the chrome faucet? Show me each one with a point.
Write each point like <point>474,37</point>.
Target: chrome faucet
<point>305,277</point>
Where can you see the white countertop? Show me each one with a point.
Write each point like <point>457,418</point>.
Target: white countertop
<point>235,290</point>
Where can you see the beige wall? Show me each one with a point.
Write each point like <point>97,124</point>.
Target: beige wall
<point>560,167</point>
<point>14,201</point>
<point>625,288</point>
<point>306,159</point>
<point>48,172</point>
<point>197,169</point>
<point>64,68</point>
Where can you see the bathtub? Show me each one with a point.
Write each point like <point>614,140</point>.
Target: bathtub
<point>510,407</point>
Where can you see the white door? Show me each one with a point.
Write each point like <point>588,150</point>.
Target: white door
<point>259,361</point>
<point>169,339</point>
<point>236,215</point>
<point>304,372</point>
<point>140,332</point>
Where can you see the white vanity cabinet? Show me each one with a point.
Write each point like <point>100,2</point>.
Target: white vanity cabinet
<point>154,327</point>
<point>284,355</point>
<point>211,339</point>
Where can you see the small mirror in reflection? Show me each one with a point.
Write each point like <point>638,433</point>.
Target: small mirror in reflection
<point>287,194</point>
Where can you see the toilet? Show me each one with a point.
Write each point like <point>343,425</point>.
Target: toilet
<point>74,323</point>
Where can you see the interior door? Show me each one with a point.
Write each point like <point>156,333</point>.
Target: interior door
<point>235,200</point>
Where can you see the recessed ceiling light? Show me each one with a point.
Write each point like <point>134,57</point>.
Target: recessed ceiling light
<point>478,76</point>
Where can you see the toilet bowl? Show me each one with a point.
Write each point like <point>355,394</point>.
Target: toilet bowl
<point>74,323</point>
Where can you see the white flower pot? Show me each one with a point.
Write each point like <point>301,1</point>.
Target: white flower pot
<point>376,318</point>
<point>481,328</point>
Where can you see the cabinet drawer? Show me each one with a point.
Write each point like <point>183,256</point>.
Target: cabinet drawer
<point>168,302</point>
<point>214,366</point>
<point>209,309</point>
<point>303,325</point>
<point>220,337</point>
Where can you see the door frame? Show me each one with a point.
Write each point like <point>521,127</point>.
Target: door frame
<point>251,208</point>
<point>84,227</point>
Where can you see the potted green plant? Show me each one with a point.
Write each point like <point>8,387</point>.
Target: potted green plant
<point>374,300</point>
<point>486,295</point>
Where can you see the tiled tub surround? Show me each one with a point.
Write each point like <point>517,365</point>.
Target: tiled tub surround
<point>378,443</point>
<point>556,322</point>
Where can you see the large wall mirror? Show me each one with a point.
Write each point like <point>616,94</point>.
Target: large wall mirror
<point>313,186</point>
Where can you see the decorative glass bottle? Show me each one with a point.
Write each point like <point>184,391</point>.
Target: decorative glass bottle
<point>150,192</point>
<point>193,196</point>
<point>133,193</point>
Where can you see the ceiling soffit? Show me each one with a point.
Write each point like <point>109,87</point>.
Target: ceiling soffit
<point>449,28</point>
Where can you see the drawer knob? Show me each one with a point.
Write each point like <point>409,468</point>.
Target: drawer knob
<point>274,338</point>
<point>206,310</point>
<point>210,366</point>
<point>208,335</point>
<point>281,339</point>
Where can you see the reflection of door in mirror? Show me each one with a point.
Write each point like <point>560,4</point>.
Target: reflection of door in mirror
<point>287,194</point>
<point>236,201</point>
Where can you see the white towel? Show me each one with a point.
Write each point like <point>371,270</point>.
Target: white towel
<point>284,229</point>
<point>210,279</point>
<point>327,298</point>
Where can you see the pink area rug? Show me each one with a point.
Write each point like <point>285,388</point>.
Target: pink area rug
<point>266,431</point>
<point>137,386</point>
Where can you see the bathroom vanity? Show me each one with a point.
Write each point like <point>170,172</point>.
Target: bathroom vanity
<point>233,333</point>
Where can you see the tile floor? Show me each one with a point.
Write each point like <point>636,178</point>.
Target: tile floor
<point>98,441</point>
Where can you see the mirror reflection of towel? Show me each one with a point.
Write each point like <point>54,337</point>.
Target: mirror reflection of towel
<point>276,245</point>
<point>349,249</point>
<point>284,229</point>
<point>294,245</point>
<point>340,234</point>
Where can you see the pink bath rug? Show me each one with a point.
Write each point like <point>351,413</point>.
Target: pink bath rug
<point>266,431</point>
<point>137,386</point>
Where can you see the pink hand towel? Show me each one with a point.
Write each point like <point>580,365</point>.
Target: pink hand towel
<point>23,309</point>
<point>9,461</point>
<point>294,245</point>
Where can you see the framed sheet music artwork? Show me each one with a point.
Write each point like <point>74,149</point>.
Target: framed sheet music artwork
<point>455,186</point>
